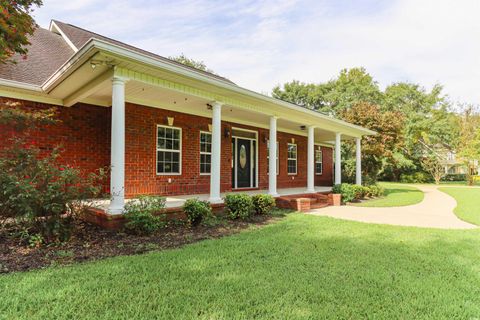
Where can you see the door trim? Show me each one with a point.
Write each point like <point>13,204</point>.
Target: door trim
<point>255,185</point>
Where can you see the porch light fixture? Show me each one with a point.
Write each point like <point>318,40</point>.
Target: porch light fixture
<point>210,127</point>
<point>170,121</point>
<point>293,140</point>
<point>303,127</point>
<point>226,133</point>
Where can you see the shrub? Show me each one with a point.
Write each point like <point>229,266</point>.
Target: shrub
<point>417,177</point>
<point>346,190</point>
<point>36,190</point>
<point>376,191</point>
<point>196,210</point>
<point>455,177</point>
<point>263,203</point>
<point>238,205</point>
<point>359,191</point>
<point>142,214</point>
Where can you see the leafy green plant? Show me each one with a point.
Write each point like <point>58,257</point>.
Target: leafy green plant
<point>238,205</point>
<point>346,190</point>
<point>37,191</point>
<point>263,203</point>
<point>145,215</point>
<point>196,210</point>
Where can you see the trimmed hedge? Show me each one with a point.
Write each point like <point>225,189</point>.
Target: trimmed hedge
<point>238,205</point>
<point>352,192</point>
<point>263,203</point>
<point>196,210</point>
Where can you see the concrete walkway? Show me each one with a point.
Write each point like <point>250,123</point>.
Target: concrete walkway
<point>435,211</point>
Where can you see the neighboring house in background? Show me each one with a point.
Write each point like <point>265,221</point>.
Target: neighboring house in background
<point>448,158</point>
<point>166,128</point>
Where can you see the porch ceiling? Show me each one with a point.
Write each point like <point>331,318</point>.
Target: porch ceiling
<point>156,97</point>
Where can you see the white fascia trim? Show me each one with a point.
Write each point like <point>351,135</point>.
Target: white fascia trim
<point>143,58</point>
<point>19,85</point>
<point>54,27</point>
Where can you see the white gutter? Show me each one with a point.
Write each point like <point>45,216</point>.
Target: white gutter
<point>20,85</point>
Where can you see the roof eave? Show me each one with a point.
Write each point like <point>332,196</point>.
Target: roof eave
<point>95,45</point>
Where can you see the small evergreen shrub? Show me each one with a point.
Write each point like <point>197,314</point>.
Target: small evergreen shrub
<point>376,191</point>
<point>142,215</point>
<point>346,190</point>
<point>263,203</point>
<point>238,205</point>
<point>196,210</point>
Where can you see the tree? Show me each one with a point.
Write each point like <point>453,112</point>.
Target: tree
<point>469,140</point>
<point>432,163</point>
<point>200,65</point>
<point>350,87</point>
<point>16,24</point>
<point>384,144</point>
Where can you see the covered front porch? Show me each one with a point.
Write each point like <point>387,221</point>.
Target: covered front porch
<point>159,113</point>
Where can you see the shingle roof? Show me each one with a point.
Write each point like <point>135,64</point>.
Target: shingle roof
<point>80,37</point>
<point>46,53</point>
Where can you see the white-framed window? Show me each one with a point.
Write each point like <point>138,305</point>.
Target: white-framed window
<point>292,159</point>
<point>205,152</point>
<point>268,158</point>
<point>318,161</point>
<point>169,150</point>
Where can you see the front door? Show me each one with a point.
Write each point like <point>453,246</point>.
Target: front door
<point>244,163</point>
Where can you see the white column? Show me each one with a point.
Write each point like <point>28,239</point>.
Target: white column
<point>216,152</point>
<point>338,160</point>
<point>272,161</point>
<point>311,160</point>
<point>117,153</point>
<point>358,168</point>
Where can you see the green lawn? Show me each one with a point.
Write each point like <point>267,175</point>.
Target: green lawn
<point>302,267</point>
<point>468,203</point>
<point>396,195</point>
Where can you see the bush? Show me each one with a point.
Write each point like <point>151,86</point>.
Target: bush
<point>238,205</point>
<point>263,203</point>
<point>417,177</point>
<point>346,190</point>
<point>37,192</point>
<point>352,192</point>
<point>196,210</point>
<point>455,177</point>
<point>142,214</point>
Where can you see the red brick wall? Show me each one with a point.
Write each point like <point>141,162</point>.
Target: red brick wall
<point>84,132</point>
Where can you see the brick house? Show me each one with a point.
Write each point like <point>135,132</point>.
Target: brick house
<point>168,129</point>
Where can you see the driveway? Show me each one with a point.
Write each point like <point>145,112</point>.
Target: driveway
<point>435,211</point>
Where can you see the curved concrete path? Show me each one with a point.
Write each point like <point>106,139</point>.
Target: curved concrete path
<point>435,211</point>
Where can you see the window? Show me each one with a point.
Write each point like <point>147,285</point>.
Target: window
<point>292,159</point>
<point>318,161</point>
<point>169,146</point>
<point>205,152</point>
<point>268,158</point>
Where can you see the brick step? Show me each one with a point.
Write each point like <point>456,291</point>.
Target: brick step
<point>318,205</point>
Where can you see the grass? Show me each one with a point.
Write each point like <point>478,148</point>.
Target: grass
<point>396,195</point>
<point>468,203</point>
<point>302,267</point>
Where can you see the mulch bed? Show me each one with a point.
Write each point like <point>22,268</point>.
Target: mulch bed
<point>90,242</point>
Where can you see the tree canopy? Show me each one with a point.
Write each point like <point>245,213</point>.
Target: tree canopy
<point>200,65</point>
<point>16,24</point>
<point>403,114</point>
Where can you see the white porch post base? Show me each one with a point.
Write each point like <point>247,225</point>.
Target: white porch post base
<point>216,152</point>
<point>338,160</point>
<point>311,160</point>
<point>358,167</point>
<point>272,160</point>
<point>117,154</point>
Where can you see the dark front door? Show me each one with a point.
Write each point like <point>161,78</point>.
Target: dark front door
<point>243,163</point>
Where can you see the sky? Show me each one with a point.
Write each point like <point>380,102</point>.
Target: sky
<point>260,44</point>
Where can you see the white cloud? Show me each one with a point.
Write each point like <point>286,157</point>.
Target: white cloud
<point>259,44</point>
